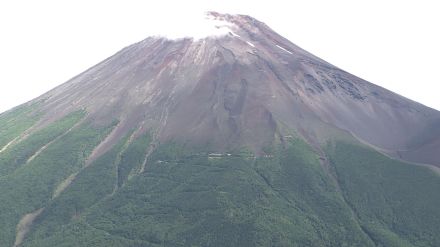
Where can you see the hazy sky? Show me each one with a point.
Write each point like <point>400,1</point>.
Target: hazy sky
<point>395,44</point>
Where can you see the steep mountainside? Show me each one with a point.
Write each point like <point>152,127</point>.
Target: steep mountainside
<point>249,79</point>
<point>236,139</point>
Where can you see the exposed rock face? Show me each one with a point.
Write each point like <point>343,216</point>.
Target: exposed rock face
<point>243,88</point>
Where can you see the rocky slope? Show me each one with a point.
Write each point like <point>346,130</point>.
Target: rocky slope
<point>241,88</point>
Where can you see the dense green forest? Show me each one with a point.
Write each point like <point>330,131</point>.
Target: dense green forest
<point>348,195</point>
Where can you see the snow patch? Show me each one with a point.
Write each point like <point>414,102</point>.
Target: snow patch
<point>284,49</point>
<point>235,35</point>
<point>249,43</point>
<point>196,27</point>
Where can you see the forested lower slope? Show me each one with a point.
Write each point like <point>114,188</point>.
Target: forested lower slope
<point>348,195</point>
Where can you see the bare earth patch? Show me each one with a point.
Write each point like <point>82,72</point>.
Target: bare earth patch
<point>24,226</point>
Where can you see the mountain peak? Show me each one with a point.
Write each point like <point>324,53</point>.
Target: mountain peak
<point>196,27</point>
<point>210,24</point>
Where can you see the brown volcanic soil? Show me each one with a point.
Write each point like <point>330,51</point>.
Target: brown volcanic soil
<point>248,88</point>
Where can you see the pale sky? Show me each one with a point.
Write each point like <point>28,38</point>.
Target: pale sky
<point>395,44</point>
